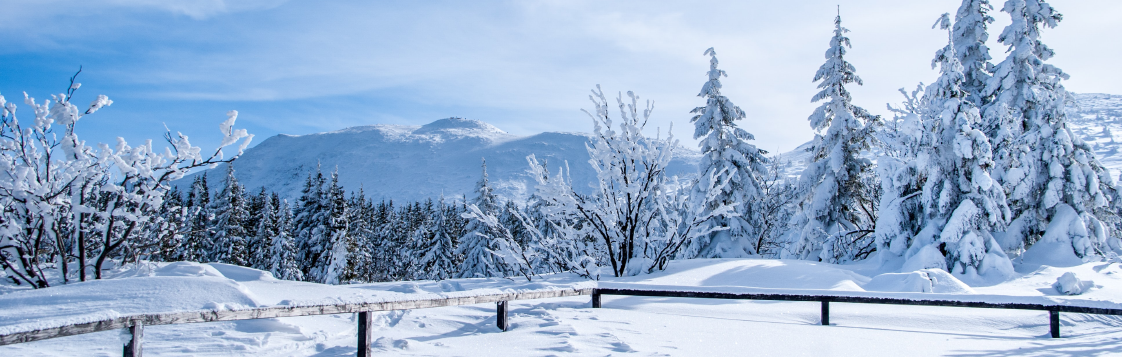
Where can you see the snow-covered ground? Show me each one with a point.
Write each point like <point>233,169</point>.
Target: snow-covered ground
<point>569,326</point>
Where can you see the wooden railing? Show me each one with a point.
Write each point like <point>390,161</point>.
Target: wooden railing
<point>135,323</point>
<point>825,297</point>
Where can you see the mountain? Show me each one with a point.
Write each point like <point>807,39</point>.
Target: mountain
<point>402,162</point>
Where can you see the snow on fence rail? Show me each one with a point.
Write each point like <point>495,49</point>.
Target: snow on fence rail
<point>135,323</point>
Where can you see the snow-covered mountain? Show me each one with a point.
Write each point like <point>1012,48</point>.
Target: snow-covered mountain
<point>403,162</point>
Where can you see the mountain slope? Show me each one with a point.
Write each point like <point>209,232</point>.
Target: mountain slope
<point>416,162</point>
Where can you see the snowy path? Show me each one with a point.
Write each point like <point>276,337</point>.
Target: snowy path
<point>639,326</point>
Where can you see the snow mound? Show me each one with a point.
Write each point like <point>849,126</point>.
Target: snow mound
<point>920,281</point>
<point>782,274</point>
<point>1069,284</point>
<point>927,258</point>
<point>102,299</point>
<point>1055,247</point>
<point>188,269</point>
<point>241,274</point>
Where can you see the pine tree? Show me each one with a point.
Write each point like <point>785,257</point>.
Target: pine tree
<point>941,205</point>
<point>310,225</point>
<point>197,240</point>
<point>266,217</point>
<point>1048,173</point>
<point>174,219</point>
<point>283,255</point>
<point>227,228</point>
<point>476,245</point>
<point>727,156</point>
<point>833,223</point>
<point>969,38</point>
<point>435,250</point>
<point>485,194</point>
<point>338,246</point>
<point>387,254</point>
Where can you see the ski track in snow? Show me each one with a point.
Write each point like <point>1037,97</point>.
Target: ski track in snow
<point>626,325</point>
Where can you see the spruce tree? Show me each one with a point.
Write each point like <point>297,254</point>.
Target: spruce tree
<point>435,250</point>
<point>338,246</point>
<point>266,217</point>
<point>726,156</point>
<point>1048,173</point>
<point>310,225</point>
<point>227,228</point>
<point>941,205</point>
<point>197,240</point>
<point>969,37</point>
<point>283,255</point>
<point>476,245</point>
<point>831,224</point>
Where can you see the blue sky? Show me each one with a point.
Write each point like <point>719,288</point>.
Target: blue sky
<point>299,67</point>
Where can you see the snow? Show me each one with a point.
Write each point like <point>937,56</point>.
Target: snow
<point>921,281</point>
<point>1070,285</point>
<point>568,326</point>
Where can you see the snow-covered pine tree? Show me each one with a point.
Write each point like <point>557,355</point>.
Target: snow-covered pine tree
<point>174,217</point>
<point>310,225</point>
<point>969,38</point>
<point>387,253</point>
<point>1058,192</point>
<point>362,217</point>
<point>334,261</point>
<point>435,251</point>
<point>476,245</point>
<point>266,218</point>
<point>835,219</point>
<point>228,234</point>
<point>197,241</point>
<point>727,156</point>
<point>941,205</point>
<point>283,255</point>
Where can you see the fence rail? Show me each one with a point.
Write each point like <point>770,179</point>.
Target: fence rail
<point>135,323</point>
<point>1053,310</point>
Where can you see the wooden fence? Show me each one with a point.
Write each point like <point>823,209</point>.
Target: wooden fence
<point>135,323</point>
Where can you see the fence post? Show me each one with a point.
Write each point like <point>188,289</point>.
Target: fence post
<point>500,320</point>
<point>133,349</point>
<point>1054,316</point>
<point>595,299</point>
<point>364,321</point>
<point>825,312</point>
